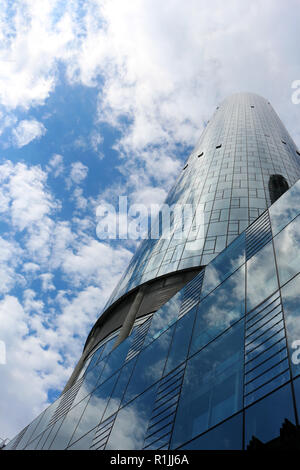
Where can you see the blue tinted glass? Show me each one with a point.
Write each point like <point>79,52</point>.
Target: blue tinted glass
<point>264,419</point>
<point>149,366</point>
<point>27,436</point>
<point>285,209</point>
<point>297,395</point>
<point>84,443</point>
<point>212,389</point>
<point>116,358</point>
<point>43,423</point>
<point>291,305</point>
<point>164,317</point>
<point>224,306</point>
<point>181,341</point>
<point>68,426</point>
<point>224,265</point>
<point>52,433</point>
<point>226,436</point>
<point>108,346</point>
<point>261,276</point>
<point>43,439</point>
<point>89,382</point>
<point>287,249</point>
<point>136,414</point>
<point>96,406</point>
<point>95,358</point>
<point>119,389</point>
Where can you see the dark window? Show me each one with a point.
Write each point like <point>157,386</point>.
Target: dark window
<point>218,146</point>
<point>283,141</point>
<point>277,186</point>
<point>185,166</point>
<point>252,106</point>
<point>297,151</point>
<point>200,154</point>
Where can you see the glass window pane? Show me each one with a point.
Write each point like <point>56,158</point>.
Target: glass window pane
<point>287,249</point>
<point>291,305</point>
<point>84,443</point>
<point>285,209</point>
<point>261,276</point>
<point>89,382</point>
<point>220,309</point>
<point>223,265</point>
<point>264,419</point>
<point>119,389</point>
<point>164,317</point>
<point>115,359</point>
<point>149,366</point>
<point>181,341</point>
<point>213,386</point>
<point>68,426</point>
<point>95,408</point>
<point>226,436</point>
<point>137,415</point>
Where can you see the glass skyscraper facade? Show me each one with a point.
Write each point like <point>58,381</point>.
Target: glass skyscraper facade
<point>197,347</point>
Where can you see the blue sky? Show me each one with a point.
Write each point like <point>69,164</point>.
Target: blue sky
<point>100,99</point>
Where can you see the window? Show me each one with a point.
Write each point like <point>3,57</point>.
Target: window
<point>278,185</point>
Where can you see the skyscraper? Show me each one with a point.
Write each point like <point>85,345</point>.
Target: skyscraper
<point>198,342</point>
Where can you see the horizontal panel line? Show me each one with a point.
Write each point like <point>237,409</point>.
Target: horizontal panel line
<point>265,372</point>
<point>277,314</point>
<point>156,440</point>
<point>267,331</point>
<point>265,383</point>
<point>265,360</point>
<point>270,308</point>
<point>265,350</point>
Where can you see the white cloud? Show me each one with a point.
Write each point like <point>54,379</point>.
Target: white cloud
<point>44,331</point>
<point>26,131</point>
<point>56,165</point>
<point>78,172</point>
<point>10,253</point>
<point>47,281</point>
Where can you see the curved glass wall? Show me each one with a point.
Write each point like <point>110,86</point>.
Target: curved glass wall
<point>216,367</point>
<point>227,180</point>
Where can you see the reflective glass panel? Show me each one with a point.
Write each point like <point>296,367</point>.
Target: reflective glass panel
<point>213,386</point>
<point>119,389</point>
<point>285,208</point>
<point>115,359</point>
<point>136,415</point>
<point>149,366</point>
<point>224,265</point>
<point>181,340</point>
<point>291,305</point>
<point>96,406</point>
<point>287,249</point>
<point>261,276</point>
<point>226,436</point>
<point>68,426</point>
<point>84,443</point>
<point>264,419</point>
<point>164,317</point>
<point>220,309</point>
